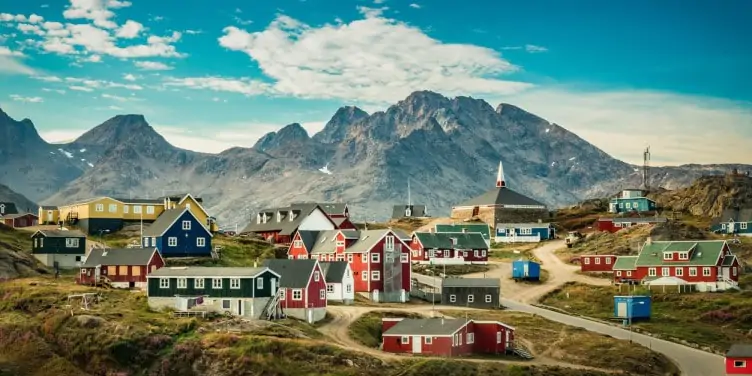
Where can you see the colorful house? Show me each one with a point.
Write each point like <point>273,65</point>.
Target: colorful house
<point>624,270</point>
<point>449,248</point>
<point>446,337</point>
<point>408,211</point>
<point>246,292</point>
<point>597,263</point>
<point>194,204</point>
<point>480,293</point>
<point>178,233</point>
<point>618,223</point>
<point>19,220</point>
<point>48,215</point>
<point>483,228</point>
<point>59,249</point>
<point>280,224</point>
<point>739,359</point>
<point>379,259</point>
<point>302,288</point>
<point>340,283</point>
<point>709,265</point>
<point>524,232</point>
<point>120,267</point>
<point>631,200</point>
<point>7,208</point>
<point>734,222</point>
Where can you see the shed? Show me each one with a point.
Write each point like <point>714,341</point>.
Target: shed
<point>525,269</point>
<point>739,359</point>
<point>471,292</point>
<point>635,307</point>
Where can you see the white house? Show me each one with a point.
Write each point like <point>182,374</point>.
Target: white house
<point>340,284</point>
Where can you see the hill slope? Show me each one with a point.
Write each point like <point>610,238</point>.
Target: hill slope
<point>15,255</point>
<point>708,196</point>
<point>23,204</point>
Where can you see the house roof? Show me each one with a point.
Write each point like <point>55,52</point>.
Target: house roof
<point>399,211</point>
<point>139,200</point>
<point>625,263</point>
<point>401,234</point>
<point>10,208</point>
<point>48,207</point>
<point>284,225</point>
<point>443,240</point>
<point>740,350</point>
<point>181,196</point>
<point>483,228</point>
<point>295,274</point>
<point>206,271</point>
<point>470,282</point>
<point>334,271</point>
<point>501,196</point>
<point>165,221</point>
<point>638,219</point>
<point>728,260</point>
<point>119,256</point>
<point>432,326</point>
<point>523,225</point>
<point>728,215</point>
<point>308,238</point>
<point>61,233</point>
<point>332,207</point>
<point>339,221</point>
<point>361,241</point>
<point>14,216</point>
<point>701,252</point>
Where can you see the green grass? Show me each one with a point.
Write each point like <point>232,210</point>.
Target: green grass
<point>366,330</point>
<point>15,249</point>
<point>505,252</point>
<point>456,270</point>
<point>710,320</point>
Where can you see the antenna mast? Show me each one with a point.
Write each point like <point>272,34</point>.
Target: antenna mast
<point>409,198</point>
<point>646,168</point>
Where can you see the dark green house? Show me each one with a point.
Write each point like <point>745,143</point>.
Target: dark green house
<point>59,249</point>
<point>247,292</point>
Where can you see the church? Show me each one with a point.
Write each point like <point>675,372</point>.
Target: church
<point>501,205</point>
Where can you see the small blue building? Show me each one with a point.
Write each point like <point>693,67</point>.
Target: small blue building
<point>636,307</point>
<point>178,233</point>
<point>735,221</point>
<point>525,270</point>
<point>524,232</point>
<point>631,200</point>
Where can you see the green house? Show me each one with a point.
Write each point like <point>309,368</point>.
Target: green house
<point>247,292</point>
<point>482,228</point>
<point>631,200</point>
<point>734,222</point>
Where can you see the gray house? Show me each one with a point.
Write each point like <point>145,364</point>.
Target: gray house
<point>471,292</point>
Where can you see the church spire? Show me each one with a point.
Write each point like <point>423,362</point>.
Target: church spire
<point>500,181</point>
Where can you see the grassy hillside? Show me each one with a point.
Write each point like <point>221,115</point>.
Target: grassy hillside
<point>15,255</point>
<point>710,320</point>
<point>708,196</point>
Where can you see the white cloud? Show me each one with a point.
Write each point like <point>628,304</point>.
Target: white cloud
<point>30,29</point>
<point>48,78</point>
<point>379,1</point>
<point>6,17</point>
<point>53,90</point>
<point>414,5</point>
<point>95,10</point>
<point>80,88</point>
<point>57,45</point>
<point>5,51</point>
<point>370,60</point>
<point>245,86</point>
<point>194,32</point>
<point>96,40</point>
<point>35,18</point>
<point>129,77</point>
<point>44,6</point>
<point>115,108</point>
<point>535,49</point>
<point>49,25</point>
<point>119,98</point>
<point>93,59</point>
<point>152,65</point>
<point>20,98</point>
<point>9,63</point>
<point>372,12</point>
<point>129,30</point>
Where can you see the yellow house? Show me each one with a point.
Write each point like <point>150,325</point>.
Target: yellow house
<point>194,205</point>
<point>48,215</point>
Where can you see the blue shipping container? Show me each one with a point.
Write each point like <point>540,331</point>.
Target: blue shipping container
<point>637,307</point>
<point>525,269</point>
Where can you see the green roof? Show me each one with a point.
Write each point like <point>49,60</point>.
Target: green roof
<point>443,240</point>
<point>625,263</point>
<point>701,252</point>
<point>483,228</point>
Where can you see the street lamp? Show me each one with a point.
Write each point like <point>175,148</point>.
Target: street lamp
<point>101,236</point>
<point>631,313</point>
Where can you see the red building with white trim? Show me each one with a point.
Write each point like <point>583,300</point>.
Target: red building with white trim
<point>619,223</point>
<point>446,337</point>
<point>449,248</point>
<point>597,263</point>
<point>19,220</point>
<point>302,287</point>
<point>120,267</point>
<point>379,259</point>
<point>739,360</point>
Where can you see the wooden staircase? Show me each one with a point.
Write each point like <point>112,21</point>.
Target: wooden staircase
<point>104,282</point>
<point>521,351</point>
<point>272,310</point>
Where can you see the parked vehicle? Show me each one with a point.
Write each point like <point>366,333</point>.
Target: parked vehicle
<point>573,237</point>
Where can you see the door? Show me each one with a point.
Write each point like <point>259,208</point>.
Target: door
<point>417,345</point>
<point>49,216</point>
<point>525,270</point>
<point>240,308</point>
<point>273,287</point>
<point>506,339</point>
<point>726,273</point>
<point>476,210</point>
<point>621,309</point>
<point>97,272</point>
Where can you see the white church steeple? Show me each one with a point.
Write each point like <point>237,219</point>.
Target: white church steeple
<point>500,180</point>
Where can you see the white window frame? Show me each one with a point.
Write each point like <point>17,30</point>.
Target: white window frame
<point>137,209</point>
<point>586,260</point>
<point>172,241</point>
<point>349,288</point>
<point>452,298</point>
<point>489,298</point>
<point>498,336</point>
<point>235,283</point>
<point>71,243</point>
<point>186,225</point>
<point>125,209</point>
<point>112,208</point>
<point>683,256</point>
<point>526,231</point>
<point>597,261</point>
<point>668,256</point>
<point>693,272</point>
<point>340,243</point>
<point>282,294</point>
<point>404,258</point>
<point>150,209</point>
<point>652,272</point>
<point>470,338</point>
<point>428,340</point>
<point>198,283</point>
<point>164,283</point>
<point>297,244</point>
<point>375,275</point>
<point>297,294</point>
<point>665,271</point>
<point>629,205</point>
<point>226,302</point>
<point>99,208</point>
<point>201,242</point>
<point>216,283</point>
<point>364,257</point>
<point>259,283</point>
<point>740,363</point>
<point>182,283</point>
<point>608,260</point>
<point>618,273</point>
<point>349,258</point>
<point>330,288</point>
<point>629,273</point>
<point>734,271</point>
<point>316,276</point>
<point>470,298</point>
<point>743,225</point>
<point>322,294</point>
<point>364,275</point>
<point>706,271</point>
<point>679,271</point>
<point>405,340</point>
<point>375,257</point>
<point>483,253</point>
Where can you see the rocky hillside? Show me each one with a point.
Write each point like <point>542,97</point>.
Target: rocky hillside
<point>23,204</point>
<point>708,196</point>
<point>448,148</point>
<point>15,255</point>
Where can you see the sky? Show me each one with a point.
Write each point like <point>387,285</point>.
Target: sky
<point>210,75</point>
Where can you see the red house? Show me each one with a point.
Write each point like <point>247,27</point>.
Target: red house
<point>597,263</point>
<point>616,224</point>
<point>120,267</point>
<point>449,248</point>
<point>739,360</point>
<point>379,259</point>
<point>280,224</point>
<point>19,220</point>
<point>709,265</point>
<point>446,337</point>
<point>303,288</point>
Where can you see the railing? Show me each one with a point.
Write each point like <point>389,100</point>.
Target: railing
<point>188,313</point>
<point>270,309</point>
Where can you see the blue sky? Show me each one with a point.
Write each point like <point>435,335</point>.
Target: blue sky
<point>211,75</point>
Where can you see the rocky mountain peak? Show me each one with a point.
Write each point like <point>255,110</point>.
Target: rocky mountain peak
<point>421,103</point>
<point>17,135</point>
<point>121,129</point>
<point>288,135</point>
<point>336,129</point>
<point>517,114</point>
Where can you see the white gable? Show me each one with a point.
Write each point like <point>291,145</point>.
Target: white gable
<point>316,221</point>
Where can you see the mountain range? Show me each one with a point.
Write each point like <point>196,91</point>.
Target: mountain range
<point>449,149</point>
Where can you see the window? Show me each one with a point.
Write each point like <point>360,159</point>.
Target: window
<point>587,260</point>
<point>149,210</point>
<point>172,241</point>
<point>621,205</point>
<point>483,253</point>
<point>629,273</point>
<point>340,243</point>
<point>216,283</point>
<point>71,243</point>
<point>330,288</point>
<point>282,294</point>
<point>112,270</point>
<point>375,257</point>
<point>182,283</point>
<point>350,258</point>
<point>35,243</point>
<point>123,270</point>
<point>526,231</point>
<point>498,337</point>
<point>597,260</point>
<point>452,298</point>
<point>706,272</point>
<point>405,340</point>
<point>125,209</point>
<point>164,283</point>
<point>316,276</point>
<point>99,207</point>
<point>198,283</point>
<point>365,276</point>
<point>723,226</point>
<point>617,224</point>
<point>112,208</point>
<point>201,242</point>
<point>364,257</point>
<point>608,260</point>
<point>679,272</point>
<point>668,256</point>
<point>740,364</point>
<point>83,271</point>
<point>665,272</point>
<point>389,243</point>
<point>235,283</point>
<point>629,205</point>
<point>375,275</point>
<point>683,256</point>
<point>186,225</point>
<point>470,338</point>
<point>78,259</point>
<point>259,283</point>
<point>489,298</point>
<point>225,304</point>
<point>470,298</point>
<point>404,258</point>
<point>322,294</point>
<point>476,254</point>
<point>137,209</point>
<point>651,272</point>
<point>693,272</point>
<point>349,289</point>
<point>297,294</point>
<point>734,271</point>
<point>618,273</point>
<point>743,225</point>
<point>146,242</point>
<point>297,244</point>
<point>429,340</point>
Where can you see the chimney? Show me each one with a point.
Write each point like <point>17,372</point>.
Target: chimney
<point>500,180</point>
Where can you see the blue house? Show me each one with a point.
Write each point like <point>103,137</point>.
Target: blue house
<point>525,270</point>
<point>734,222</point>
<point>634,307</point>
<point>524,232</point>
<point>631,200</point>
<point>178,233</point>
